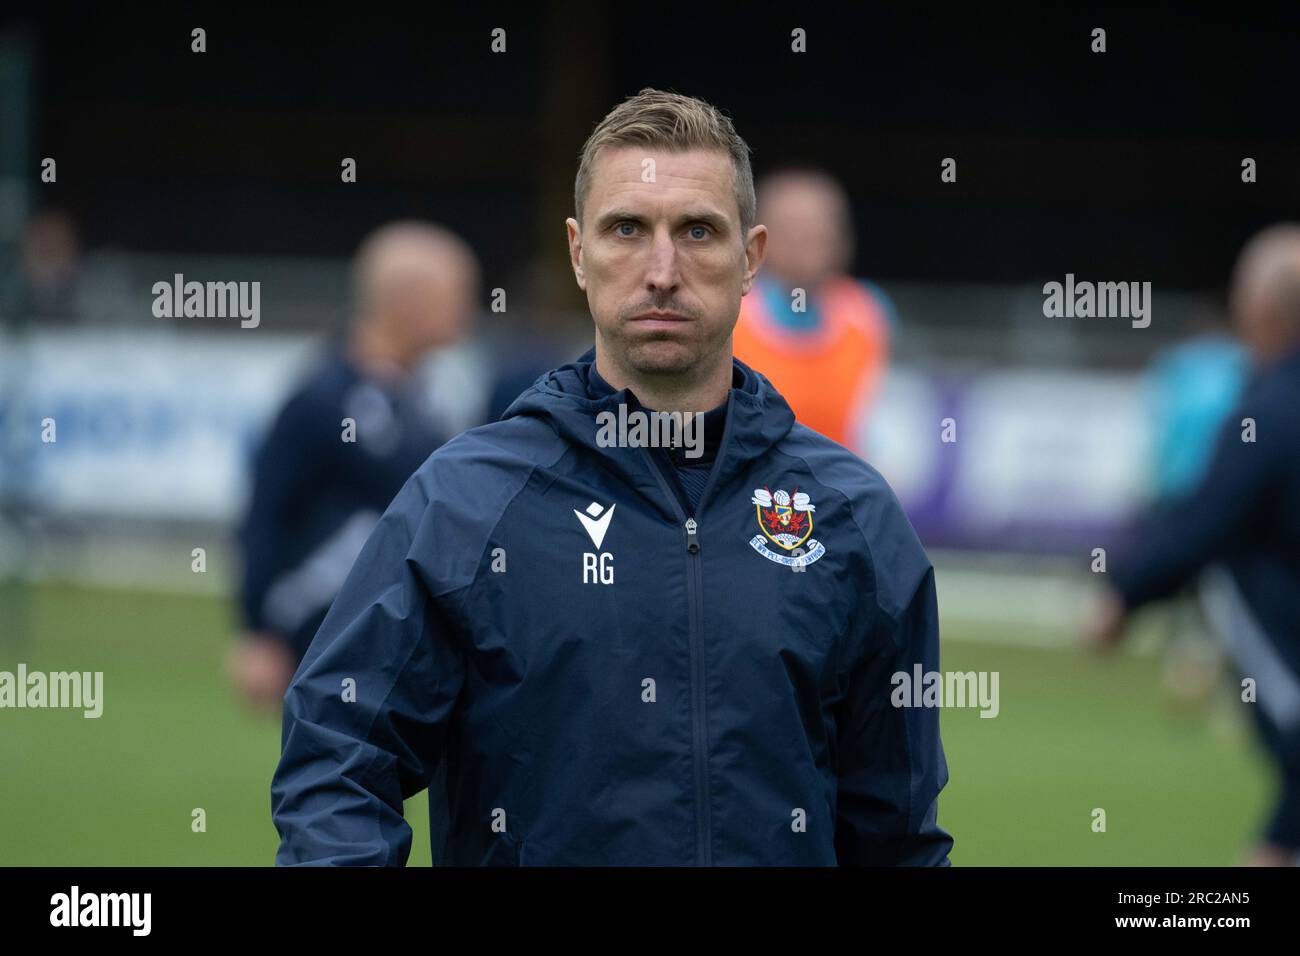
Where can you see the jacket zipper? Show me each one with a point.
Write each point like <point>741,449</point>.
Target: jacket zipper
<point>698,704</point>
<point>702,851</point>
<point>695,624</point>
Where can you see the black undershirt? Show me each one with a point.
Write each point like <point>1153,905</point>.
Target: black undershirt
<point>686,475</point>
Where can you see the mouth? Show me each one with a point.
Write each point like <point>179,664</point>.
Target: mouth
<point>657,319</point>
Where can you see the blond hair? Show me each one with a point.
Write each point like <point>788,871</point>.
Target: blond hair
<point>675,123</point>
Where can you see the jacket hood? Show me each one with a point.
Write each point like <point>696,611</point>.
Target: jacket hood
<point>757,415</point>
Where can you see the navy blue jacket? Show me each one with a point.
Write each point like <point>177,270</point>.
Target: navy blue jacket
<point>610,684</point>
<point>315,497</point>
<point>1244,517</point>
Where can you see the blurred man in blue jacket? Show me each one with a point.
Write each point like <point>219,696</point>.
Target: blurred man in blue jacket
<point>1238,530</point>
<point>626,653</point>
<point>342,446</point>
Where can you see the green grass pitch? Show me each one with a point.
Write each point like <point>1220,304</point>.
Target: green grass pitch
<point>1074,733</point>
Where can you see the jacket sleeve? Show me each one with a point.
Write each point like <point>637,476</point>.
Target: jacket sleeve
<point>1177,541</point>
<point>287,462</point>
<point>891,759</point>
<point>365,718</point>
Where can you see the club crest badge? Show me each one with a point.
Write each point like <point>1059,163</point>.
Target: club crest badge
<point>785,520</point>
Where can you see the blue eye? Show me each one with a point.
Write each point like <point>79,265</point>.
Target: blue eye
<point>702,229</point>
<point>619,228</point>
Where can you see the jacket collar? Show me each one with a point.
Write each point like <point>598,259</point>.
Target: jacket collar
<point>757,417</point>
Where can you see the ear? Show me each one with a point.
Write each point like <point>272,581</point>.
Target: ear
<point>755,247</point>
<point>575,251</point>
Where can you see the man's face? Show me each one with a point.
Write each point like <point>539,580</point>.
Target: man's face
<point>808,240</point>
<point>438,308</point>
<point>1255,316</point>
<point>422,298</point>
<point>661,257</point>
<point>1249,317</point>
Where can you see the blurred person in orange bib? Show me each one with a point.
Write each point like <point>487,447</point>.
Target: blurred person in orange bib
<point>820,335</point>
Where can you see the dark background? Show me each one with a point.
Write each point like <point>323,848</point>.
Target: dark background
<point>1125,163</point>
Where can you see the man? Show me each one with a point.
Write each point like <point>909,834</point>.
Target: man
<point>820,336</point>
<point>631,655</point>
<point>55,282</point>
<point>1239,529</point>
<point>343,445</point>
<point>49,285</point>
<point>1194,385</point>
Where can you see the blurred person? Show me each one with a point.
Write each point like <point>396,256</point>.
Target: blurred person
<point>1194,385</point>
<point>53,282</point>
<point>625,653</point>
<point>46,288</point>
<point>826,349</point>
<point>530,340</point>
<point>318,487</point>
<point>1239,528</point>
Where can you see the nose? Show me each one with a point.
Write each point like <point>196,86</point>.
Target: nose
<point>661,274</point>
